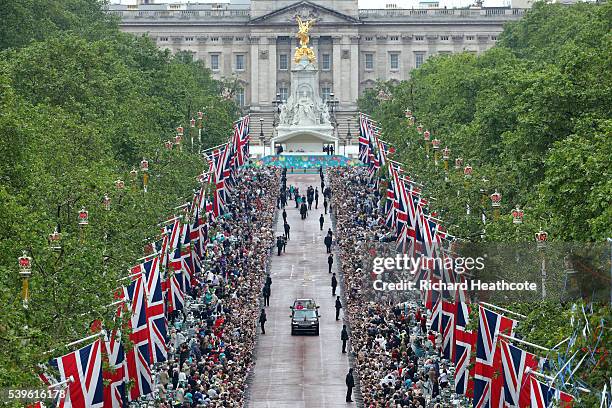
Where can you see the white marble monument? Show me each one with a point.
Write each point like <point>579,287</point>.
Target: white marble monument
<point>304,120</point>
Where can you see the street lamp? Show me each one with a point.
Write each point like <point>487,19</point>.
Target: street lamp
<point>332,106</point>
<point>517,215</point>
<point>496,203</point>
<point>144,167</point>
<point>348,134</point>
<point>262,138</point>
<point>25,271</point>
<point>54,240</point>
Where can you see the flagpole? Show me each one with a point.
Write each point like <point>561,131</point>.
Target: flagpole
<point>524,342</point>
<point>153,255</point>
<point>105,306</point>
<point>57,384</point>
<point>74,343</point>
<point>168,221</point>
<point>182,206</point>
<point>565,365</point>
<point>130,276</point>
<point>547,377</point>
<point>213,148</point>
<point>563,341</point>
<point>503,310</point>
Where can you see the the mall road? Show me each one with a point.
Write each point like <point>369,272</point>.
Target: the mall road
<point>304,370</point>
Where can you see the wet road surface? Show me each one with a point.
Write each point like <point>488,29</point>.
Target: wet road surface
<point>303,370</point>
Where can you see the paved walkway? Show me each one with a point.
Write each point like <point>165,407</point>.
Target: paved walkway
<point>304,370</point>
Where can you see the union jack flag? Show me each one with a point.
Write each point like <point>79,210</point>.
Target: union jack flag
<point>364,138</point>
<point>242,140</point>
<point>465,343</point>
<point>488,381</point>
<point>543,395</point>
<point>158,326</point>
<point>84,369</point>
<point>138,358</point>
<point>449,311</point>
<point>115,377</point>
<point>390,205</point>
<point>175,295</point>
<point>436,316</point>
<point>517,364</point>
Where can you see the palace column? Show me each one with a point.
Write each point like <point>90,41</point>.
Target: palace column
<point>354,69</point>
<point>268,84</point>
<point>337,65</point>
<point>255,61</point>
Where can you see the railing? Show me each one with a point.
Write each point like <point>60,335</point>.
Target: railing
<point>244,14</point>
<point>180,14</point>
<point>474,13</point>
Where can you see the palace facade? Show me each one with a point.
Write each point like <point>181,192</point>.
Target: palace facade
<point>254,42</point>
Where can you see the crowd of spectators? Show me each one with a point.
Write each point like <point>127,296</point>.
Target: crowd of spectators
<point>211,344</point>
<point>397,360</point>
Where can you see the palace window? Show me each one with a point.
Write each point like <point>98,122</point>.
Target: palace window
<point>326,62</point>
<point>214,39</point>
<point>369,38</point>
<point>214,62</point>
<point>419,58</point>
<point>189,39</point>
<point>163,39</point>
<point>418,38</point>
<point>394,38</point>
<point>239,62</point>
<point>494,37</point>
<point>369,61</point>
<point>283,62</point>
<point>444,37</point>
<point>325,92</point>
<point>394,61</point>
<point>239,38</point>
<point>239,96</point>
<point>284,93</point>
<point>469,37</point>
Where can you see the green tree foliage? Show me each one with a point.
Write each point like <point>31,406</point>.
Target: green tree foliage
<point>532,117</point>
<point>81,104</point>
<point>517,114</point>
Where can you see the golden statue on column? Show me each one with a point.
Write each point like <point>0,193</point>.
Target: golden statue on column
<point>304,50</point>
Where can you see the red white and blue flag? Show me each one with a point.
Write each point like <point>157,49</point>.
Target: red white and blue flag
<point>138,358</point>
<point>156,316</point>
<point>115,377</point>
<point>488,381</point>
<point>449,312</point>
<point>84,370</point>
<point>516,364</point>
<point>465,352</point>
<point>544,395</point>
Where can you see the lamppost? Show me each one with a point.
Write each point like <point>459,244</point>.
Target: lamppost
<point>277,103</point>
<point>496,203</point>
<point>144,167</point>
<point>192,125</point>
<point>348,134</point>
<point>262,138</point>
<point>541,237</point>
<point>332,106</point>
<point>25,271</point>
<point>200,126</point>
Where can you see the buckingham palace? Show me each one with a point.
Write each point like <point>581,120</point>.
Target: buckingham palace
<point>253,42</point>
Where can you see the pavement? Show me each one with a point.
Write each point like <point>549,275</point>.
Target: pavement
<point>303,370</point>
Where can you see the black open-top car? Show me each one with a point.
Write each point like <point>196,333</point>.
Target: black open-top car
<point>304,317</point>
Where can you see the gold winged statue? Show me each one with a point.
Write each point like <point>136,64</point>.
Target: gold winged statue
<point>304,50</point>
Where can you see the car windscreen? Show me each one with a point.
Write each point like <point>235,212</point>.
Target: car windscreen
<point>304,313</point>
